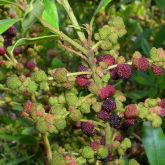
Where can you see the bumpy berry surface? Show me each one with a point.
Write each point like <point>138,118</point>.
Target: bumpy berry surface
<point>31,65</point>
<point>115,121</point>
<point>108,59</point>
<point>162,103</point>
<point>2,51</point>
<point>124,71</point>
<point>108,105</point>
<point>104,115</point>
<point>143,64</point>
<point>130,111</point>
<point>88,128</point>
<point>82,81</point>
<point>12,31</point>
<point>158,71</point>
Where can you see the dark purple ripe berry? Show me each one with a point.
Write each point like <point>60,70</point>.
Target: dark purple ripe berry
<point>31,65</point>
<point>108,105</point>
<point>104,115</point>
<point>12,31</point>
<point>115,121</point>
<point>17,51</point>
<point>2,51</point>
<point>124,71</point>
<point>8,41</point>
<point>88,128</point>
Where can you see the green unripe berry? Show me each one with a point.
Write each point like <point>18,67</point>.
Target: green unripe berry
<point>58,159</point>
<point>133,162</point>
<point>75,114</point>
<point>126,143</point>
<point>44,86</point>
<point>156,122</point>
<point>81,161</point>
<point>97,106</point>
<point>39,76</point>
<point>53,101</point>
<point>2,75</point>
<point>121,151</point>
<point>102,152</point>
<point>85,108</point>
<point>87,152</point>
<point>71,98</point>
<point>60,124</point>
<point>31,87</point>
<point>60,75</point>
<point>41,125</point>
<point>13,82</point>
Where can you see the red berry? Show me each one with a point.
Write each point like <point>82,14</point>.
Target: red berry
<point>157,70</point>
<point>113,74</point>
<point>162,103</point>
<point>2,51</point>
<point>130,111</point>
<point>109,105</point>
<point>129,122</point>
<point>162,112</point>
<point>103,115</point>
<point>28,106</point>
<point>88,128</point>
<point>142,64</point>
<point>39,113</point>
<point>82,81</point>
<point>108,59</point>
<point>106,92</point>
<point>31,65</point>
<point>119,138</point>
<point>95,145</point>
<point>124,71</point>
<point>17,51</point>
<point>12,31</point>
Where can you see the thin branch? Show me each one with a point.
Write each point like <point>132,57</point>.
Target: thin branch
<point>114,66</point>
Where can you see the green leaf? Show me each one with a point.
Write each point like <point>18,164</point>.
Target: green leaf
<point>6,23</point>
<point>145,46</point>
<point>160,3</point>
<point>19,160</point>
<point>27,41</point>
<point>50,14</point>
<point>35,10</point>
<point>57,63</point>
<point>5,2</point>
<point>101,6</point>
<point>154,144</point>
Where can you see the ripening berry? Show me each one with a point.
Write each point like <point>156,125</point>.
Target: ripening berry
<point>28,106</point>
<point>129,122</point>
<point>108,105</point>
<point>39,76</point>
<point>107,92</point>
<point>162,103</point>
<point>124,71</point>
<point>17,51</point>
<point>13,82</point>
<point>39,113</point>
<point>49,118</point>
<point>119,138</point>
<point>2,51</point>
<point>12,31</point>
<point>31,65</point>
<point>95,145</point>
<point>104,115</point>
<point>93,88</point>
<point>60,75</point>
<point>130,111</point>
<point>108,59</point>
<point>115,121</point>
<point>82,81</point>
<point>113,74</point>
<point>142,64</point>
<point>162,112</point>
<point>158,71</point>
<point>88,128</point>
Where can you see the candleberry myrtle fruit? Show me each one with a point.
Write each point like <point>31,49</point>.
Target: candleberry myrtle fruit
<point>2,51</point>
<point>88,128</point>
<point>130,111</point>
<point>158,71</point>
<point>13,82</point>
<point>39,76</point>
<point>109,105</point>
<point>124,71</point>
<point>12,31</point>
<point>82,81</point>
<point>115,121</point>
<point>142,64</point>
<point>104,115</point>
<point>87,152</point>
<point>108,59</point>
<point>102,152</point>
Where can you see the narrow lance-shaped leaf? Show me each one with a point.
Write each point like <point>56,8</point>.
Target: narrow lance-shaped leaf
<point>27,41</point>
<point>6,23</point>
<point>101,6</point>
<point>50,14</point>
<point>154,144</point>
